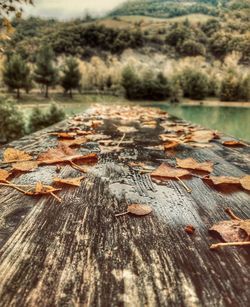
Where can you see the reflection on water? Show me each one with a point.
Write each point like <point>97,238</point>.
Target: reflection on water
<point>233,121</point>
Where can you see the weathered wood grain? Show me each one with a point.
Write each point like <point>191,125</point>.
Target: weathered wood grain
<point>79,254</point>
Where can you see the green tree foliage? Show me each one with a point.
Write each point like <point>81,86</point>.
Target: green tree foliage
<point>12,125</point>
<point>176,92</point>
<point>71,78</point>
<point>131,83</point>
<point>45,72</point>
<point>36,120</point>
<point>245,88</point>
<point>167,9</point>
<point>40,119</point>
<point>148,87</point>
<point>194,84</point>
<point>235,88</point>
<point>16,74</point>
<point>192,48</point>
<point>55,114</point>
<point>178,35</point>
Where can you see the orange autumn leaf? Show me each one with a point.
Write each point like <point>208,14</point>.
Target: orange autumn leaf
<point>41,189</point>
<point>65,135</point>
<point>62,154</point>
<point>202,136</point>
<point>190,229</point>
<point>25,166</point>
<point>83,132</point>
<point>245,182</point>
<point>235,232</point>
<point>166,171</point>
<point>233,143</point>
<point>11,155</point>
<point>70,181</point>
<point>190,163</point>
<point>4,175</point>
<point>219,180</point>
<point>202,145</point>
<point>137,209</point>
<point>74,142</point>
<point>171,144</point>
<point>58,154</point>
<point>127,129</point>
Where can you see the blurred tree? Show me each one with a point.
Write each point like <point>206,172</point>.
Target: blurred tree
<point>12,125</point>
<point>45,72</point>
<point>71,78</point>
<point>16,74</point>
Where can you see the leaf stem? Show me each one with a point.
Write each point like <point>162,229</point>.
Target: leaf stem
<point>121,214</point>
<point>56,197</point>
<point>184,185</point>
<point>119,143</point>
<point>232,215</point>
<point>216,246</point>
<point>13,186</point>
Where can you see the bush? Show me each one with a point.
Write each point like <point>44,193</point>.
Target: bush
<point>235,87</point>
<point>230,87</point>
<point>192,48</point>
<point>194,84</point>
<point>12,125</point>
<point>41,119</point>
<point>131,83</point>
<point>245,88</point>
<point>148,87</point>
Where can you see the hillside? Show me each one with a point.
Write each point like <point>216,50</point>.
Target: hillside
<point>155,47</point>
<point>168,8</point>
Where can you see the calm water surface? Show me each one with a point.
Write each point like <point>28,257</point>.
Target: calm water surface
<point>234,121</point>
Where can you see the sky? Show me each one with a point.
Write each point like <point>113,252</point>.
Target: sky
<point>66,9</point>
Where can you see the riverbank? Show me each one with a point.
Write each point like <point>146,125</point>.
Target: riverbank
<point>34,100</point>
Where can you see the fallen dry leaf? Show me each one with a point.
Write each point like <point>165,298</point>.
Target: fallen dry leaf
<point>235,232</point>
<point>202,136</point>
<point>223,180</point>
<point>189,229</point>
<point>97,137</point>
<point>137,209</point>
<point>170,137</point>
<point>62,154</point>
<point>70,181</point>
<point>233,143</point>
<point>126,129</point>
<point>200,145</point>
<point>190,163</point>
<point>166,171</point>
<point>11,155</point>
<point>41,189</point>
<point>65,135</point>
<point>245,182</point>
<point>171,144</point>
<point>4,175</point>
<point>26,166</point>
<point>74,142</point>
<point>148,125</point>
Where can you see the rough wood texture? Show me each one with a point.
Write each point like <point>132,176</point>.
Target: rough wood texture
<point>79,254</point>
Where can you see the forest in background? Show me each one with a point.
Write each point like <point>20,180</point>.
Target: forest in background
<point>193,53</point>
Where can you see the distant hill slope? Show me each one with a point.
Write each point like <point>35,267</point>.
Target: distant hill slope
<point>169,8</point>
<point>196,34</point>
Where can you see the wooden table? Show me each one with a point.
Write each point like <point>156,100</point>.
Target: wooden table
<point>78,253</point>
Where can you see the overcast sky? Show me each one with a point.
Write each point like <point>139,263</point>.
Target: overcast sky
<point>65,9</point>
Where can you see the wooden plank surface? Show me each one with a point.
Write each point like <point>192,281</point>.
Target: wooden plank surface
<point>78,253</point>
